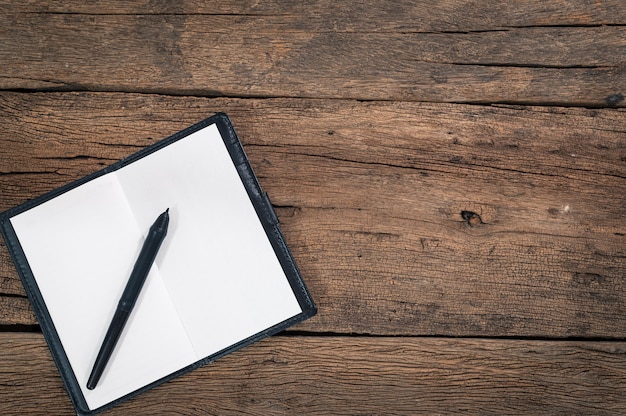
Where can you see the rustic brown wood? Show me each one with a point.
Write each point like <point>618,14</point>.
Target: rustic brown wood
<point>9,285</point>
<point>369,52</point>
<point>376,201</point>
<point>16,311</point>
<point>409,212</point>
<point>443,15</point>
<point>312,375</point>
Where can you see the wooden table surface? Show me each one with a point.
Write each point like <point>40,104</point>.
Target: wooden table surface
<point>450,177</point>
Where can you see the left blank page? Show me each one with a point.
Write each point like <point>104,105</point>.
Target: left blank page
<point>81,247</point>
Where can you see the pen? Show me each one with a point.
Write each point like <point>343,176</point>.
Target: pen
<point>148,253</point>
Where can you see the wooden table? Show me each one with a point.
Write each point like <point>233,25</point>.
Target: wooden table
<point>450,176</point>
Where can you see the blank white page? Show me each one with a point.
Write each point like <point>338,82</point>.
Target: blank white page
<point>216,280</point>
<point>81,247</point>
<point>220,271</point>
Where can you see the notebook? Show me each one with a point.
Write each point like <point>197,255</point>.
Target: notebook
<point>222,279</point>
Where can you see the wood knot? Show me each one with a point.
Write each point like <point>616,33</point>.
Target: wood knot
<point>588,279</point>
<point>471,218</point>
<point>565,209</point>
<point>614,99</point>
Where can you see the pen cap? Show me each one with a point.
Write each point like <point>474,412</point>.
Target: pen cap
<point>161,223</point>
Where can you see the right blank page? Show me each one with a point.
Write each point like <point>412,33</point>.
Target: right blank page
<point>216,262</point>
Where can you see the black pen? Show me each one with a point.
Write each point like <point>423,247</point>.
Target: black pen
<point>148,253</point>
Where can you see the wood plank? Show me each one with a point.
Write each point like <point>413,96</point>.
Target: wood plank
<point>348,375</point>
<point>343,15</point>
<point>278,55</point>
<point>9,285</point>
<point>375,201</point>
<point>16,310</point>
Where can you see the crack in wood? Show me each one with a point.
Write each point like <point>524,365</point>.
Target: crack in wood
<point>33,172</point>
<point>77,157</point>
<point>148,13</point>
<point>521,65</point>
<point>193,92</point>
<point>454,162</point>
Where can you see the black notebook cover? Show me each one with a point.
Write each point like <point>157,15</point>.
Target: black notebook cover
<point>223,279</point>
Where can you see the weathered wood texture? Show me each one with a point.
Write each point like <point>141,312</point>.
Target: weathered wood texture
<point>339,375</point>
<point>452,51</point>
<point>444,15</point>
<point>375,201</point>
<point>426,161</point>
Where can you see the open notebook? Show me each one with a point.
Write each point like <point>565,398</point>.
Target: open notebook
<point>222,279</point>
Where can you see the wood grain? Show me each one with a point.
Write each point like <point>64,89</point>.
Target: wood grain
<point>335,375</point>
<point>375,201</point>
<point>443,15</point>
<point>567,54</point>
<point>453,168</point>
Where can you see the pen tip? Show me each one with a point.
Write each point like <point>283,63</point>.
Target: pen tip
<point>167,211</point>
